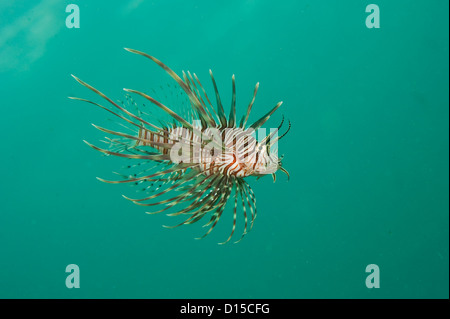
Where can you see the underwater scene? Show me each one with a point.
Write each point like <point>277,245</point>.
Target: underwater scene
<point>244,149</point>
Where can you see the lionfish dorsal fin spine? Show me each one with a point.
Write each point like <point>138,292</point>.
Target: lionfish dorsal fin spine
<point>220,111</point>
<point>198,107</point>
<point>249,108</point>
<point>232,117</point>
<point>162,106</point>
<point>110,101</point>
<point>264,119</point>
<point>209,117</point>
<point>207,99</point>
<point>184,85</point>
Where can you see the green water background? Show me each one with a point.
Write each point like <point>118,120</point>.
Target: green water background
<point>367,152</point>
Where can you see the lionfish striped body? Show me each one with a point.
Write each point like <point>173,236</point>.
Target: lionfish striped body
<point>199,163</point>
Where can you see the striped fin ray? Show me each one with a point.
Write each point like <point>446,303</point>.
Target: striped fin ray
<point>116,114</point>
<point>236,185</point>
<point>205,204</point>
<point>199,207</point>
<point>200,169</point>
<point>244,209</point>
<point>251,203</point>
<point>172,113</point>
<point>232,117</point>
<point>249,108</point>
<point>136,138</point>
<point>198,106</point>
<point>195,196</point>
<point>174,168</point>
<point>163,107</point>
<point>219,207</point>
<point>213,122</point>
<point>264,119</point>
<point>141,127</point>
<point>148,186</point>
<point>195,193</point>
<point>112,102</point>
<point>207,98</point>
<point>153,157</point>
<point>220,110</point>
<point>192,174</point>
<point>204,117</point>
<point>122,145</point>
<point>211,205</point>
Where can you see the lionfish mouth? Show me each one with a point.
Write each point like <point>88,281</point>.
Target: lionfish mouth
<point>197,189</point>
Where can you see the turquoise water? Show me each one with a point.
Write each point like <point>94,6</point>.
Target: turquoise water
<point>367,152</point>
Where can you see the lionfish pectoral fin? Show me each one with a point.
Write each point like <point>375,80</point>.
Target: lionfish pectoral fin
<point>162,106</point>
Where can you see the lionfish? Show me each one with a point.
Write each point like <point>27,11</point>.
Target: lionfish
<point>201,159</point>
